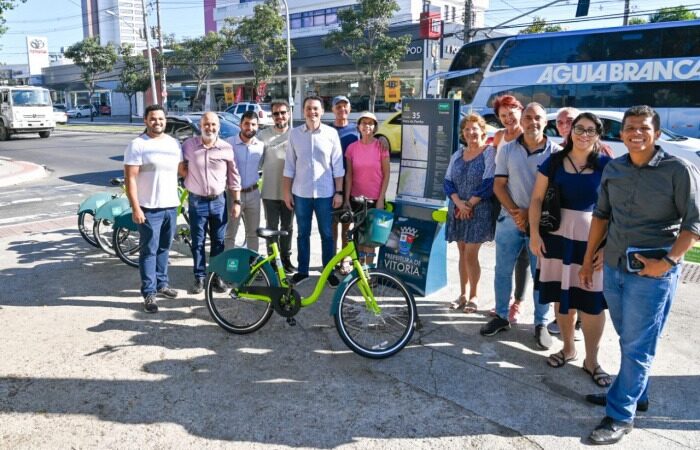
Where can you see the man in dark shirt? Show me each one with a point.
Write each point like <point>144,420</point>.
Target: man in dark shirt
<point>648,199</point>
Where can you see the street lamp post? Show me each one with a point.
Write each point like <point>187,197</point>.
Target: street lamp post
<point>148,46</point>
<point>290,94</point>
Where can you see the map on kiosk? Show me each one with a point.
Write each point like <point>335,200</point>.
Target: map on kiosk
<point>427,142</point>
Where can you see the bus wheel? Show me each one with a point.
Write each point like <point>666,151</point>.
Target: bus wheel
<point>4,134</point>
<point>44,134</point>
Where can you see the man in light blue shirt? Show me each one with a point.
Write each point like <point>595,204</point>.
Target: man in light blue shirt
<point>313,183</point>
<point>247,151</point>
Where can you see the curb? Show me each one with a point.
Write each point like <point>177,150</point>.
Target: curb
<point>15,172</point>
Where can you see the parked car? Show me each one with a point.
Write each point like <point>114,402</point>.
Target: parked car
<point>82,111</point>
<point>185,126</point>
<point>675,144</point>
<point>262,109</point>
<point>59,115</point>
<point>223,116</point>
<point>105,110</point>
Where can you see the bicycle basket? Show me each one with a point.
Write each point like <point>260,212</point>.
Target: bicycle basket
<point>233,265</point>
<point>376,229</point>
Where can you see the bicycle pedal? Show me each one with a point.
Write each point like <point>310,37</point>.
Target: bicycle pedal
<point>291,321</point>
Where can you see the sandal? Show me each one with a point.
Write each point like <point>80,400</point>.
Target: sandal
<point>460,303</point>
<point>472,306</point>
<point>599,376</point>
<point>559,359</point>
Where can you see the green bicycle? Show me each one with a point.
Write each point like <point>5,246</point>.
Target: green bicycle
<point>374,312</point>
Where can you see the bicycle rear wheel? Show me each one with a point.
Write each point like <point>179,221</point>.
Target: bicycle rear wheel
<point>102,231</point>
<point>234,314</point>
<point>86,220</point>
<point>127,245</point>
<point>376,334</point>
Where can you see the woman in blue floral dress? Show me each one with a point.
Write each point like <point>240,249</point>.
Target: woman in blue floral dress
<point>469,187</point>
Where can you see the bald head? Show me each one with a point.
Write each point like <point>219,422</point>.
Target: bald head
<point>533,121</point>
<point>209,124</point>
<point>565,117</point>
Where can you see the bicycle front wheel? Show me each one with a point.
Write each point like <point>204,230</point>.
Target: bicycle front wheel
<point>235,314</point>
<point>102,232</point>
<point>86,220</point>
<point>376,333</point>
<point>127,245</point>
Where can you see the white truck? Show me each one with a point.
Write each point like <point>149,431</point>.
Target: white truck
<point>25,109</point>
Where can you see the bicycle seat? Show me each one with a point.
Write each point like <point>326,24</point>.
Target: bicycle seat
<point>267,234</point>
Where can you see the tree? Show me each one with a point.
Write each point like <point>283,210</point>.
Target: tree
<point>636,21</point>
<point>259,41</point>
<point>672,13</point>
<point>363,39</point>
<point>134,76</point>
<point>198,57</point>
<point>6,5</point>
<point>539,25</point>
<point>93,59</point>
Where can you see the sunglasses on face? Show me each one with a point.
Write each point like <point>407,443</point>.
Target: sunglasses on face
<point>279,113</point>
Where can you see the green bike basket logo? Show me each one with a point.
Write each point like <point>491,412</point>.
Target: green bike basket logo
<point>232,265</point>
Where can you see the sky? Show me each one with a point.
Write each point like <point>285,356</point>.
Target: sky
<point>61,20</point>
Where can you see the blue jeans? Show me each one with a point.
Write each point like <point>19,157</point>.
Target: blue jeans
<point>303,210</point>
<point>638,308</point>
<point>509,243</point>
<point>203,211</point>
<point>156,235</point>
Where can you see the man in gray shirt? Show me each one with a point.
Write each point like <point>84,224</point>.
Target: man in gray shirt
<point>516,170</point>
<point>648,199</point>
<point>277,215</point>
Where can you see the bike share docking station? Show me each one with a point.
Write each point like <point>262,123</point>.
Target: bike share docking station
<point>416,249</point>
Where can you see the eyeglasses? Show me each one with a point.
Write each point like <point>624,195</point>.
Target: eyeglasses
<point>590,132</point>
<point>279,113</point>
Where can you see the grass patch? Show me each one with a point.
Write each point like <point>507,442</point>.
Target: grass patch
<point>101,128</point>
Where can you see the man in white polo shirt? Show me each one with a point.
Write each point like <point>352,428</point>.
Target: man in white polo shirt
<point>150,169</point>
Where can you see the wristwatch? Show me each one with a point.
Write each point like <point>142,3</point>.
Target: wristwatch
<point>339,193</point>
<point>236,202</point>
<point>670,260</point>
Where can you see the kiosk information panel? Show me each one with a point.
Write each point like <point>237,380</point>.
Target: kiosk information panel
<point>416,248</point>
<point>428,138</point>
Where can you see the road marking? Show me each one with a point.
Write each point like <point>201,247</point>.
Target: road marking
<point>27,200</point>
<point>12,192</point>
<point>68,204</point>
<point>22,218</point>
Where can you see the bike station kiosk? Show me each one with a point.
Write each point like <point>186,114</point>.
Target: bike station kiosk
<point>416,249</point>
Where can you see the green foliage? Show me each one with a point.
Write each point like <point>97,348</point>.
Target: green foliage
<point>539,25</point>
<point>6,5</point>
<point>672,13</point>
<point>135,76</point>
<point>259,40</point>
<point>363,39</point>
<point>198,57</point>
<point>93,59</point>
<point>636,21</point>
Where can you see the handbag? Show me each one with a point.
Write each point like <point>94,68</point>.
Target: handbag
<point>550,218</point>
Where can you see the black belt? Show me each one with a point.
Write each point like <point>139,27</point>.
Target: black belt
<point>206,197</point>
<point>250,189</point>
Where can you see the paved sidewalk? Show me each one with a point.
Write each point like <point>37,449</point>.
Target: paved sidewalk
<point>15,172</point>
<point>83,366</point>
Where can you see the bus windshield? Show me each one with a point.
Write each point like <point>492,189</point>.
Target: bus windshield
<point>476,55</point>
<point>31,97</point>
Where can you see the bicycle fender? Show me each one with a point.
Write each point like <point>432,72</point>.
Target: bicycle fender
<point>93,202</point>
<point>125,220</point>
<point>233,266</point>
<point>341,288</point>
<point>112,208</point>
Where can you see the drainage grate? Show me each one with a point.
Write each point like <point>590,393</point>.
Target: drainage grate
<point>691,273</point>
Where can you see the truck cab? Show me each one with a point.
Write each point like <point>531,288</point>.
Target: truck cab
<point>25,109</point>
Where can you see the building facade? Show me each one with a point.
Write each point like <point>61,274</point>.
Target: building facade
<point>114,21</point>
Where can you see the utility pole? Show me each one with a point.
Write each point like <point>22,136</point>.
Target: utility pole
<point>468,21</point>
<point>154,94</point>
<point>626,16</point>
<point>161,59</point>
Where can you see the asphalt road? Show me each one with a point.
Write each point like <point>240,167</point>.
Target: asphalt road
<point>78,164</point>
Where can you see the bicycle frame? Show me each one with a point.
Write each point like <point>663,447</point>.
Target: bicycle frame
<point>349,250</point>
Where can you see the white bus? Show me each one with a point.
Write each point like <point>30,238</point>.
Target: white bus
<point>605,69</point>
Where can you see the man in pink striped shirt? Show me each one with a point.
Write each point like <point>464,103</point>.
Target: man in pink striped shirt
<point>209,169</point>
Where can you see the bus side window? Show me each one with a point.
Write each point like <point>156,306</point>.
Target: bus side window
<point>611,130</point>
